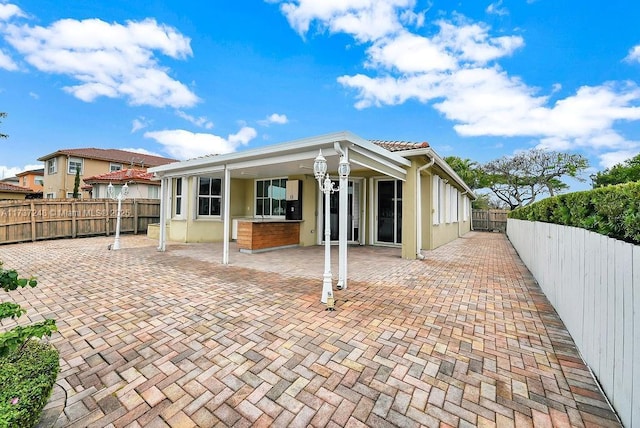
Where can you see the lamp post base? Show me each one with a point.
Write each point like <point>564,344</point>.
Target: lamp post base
<point>326,287</point>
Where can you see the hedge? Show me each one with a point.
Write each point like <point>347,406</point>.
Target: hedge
<point>27,377</point>
<point>613,211</point>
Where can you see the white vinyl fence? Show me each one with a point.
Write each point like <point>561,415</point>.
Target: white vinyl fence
<point>593,282</point>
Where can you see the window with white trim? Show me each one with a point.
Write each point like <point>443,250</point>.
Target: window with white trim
<point>209,196</point>
<point>115,167</point>
<point>177,198</point>
<point>454,204</point>
<point>39,181</point>
<point>271,197</point>
<point>447,202</point>
<point>436,199</point>
<point>52,166</point>
<point>465,208</point>
<point>50,195</point>
<point>73,165</point>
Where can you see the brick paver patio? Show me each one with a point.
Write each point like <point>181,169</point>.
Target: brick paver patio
<point>463,338</point>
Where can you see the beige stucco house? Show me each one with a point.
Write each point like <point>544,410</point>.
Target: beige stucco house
<point>60,167</point>
<point>396,194</point>
<point>140,183</point>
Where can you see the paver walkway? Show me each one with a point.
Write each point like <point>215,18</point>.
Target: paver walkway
<point>463,338</point>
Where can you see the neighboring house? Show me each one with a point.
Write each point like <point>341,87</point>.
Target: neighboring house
<point>11,191</point>
<point>399,194</point>
<point>140,183</point>
<point>60,167</point>
<point>33,179</point>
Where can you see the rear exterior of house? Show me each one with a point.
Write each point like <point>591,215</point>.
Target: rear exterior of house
<point>397,194</point>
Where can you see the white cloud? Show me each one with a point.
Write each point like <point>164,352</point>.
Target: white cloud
<point>456,70</point>
<point>142,151</point>
<point>8,11</point>
<point>201,121</point>
<point>34,95</point>
<point>607,160</point>
<point>7,63</point>
<point>365,20</point>
<point>182,144</point>
<point>111,60</point>
<point>139,123</point>
<point>278,119</point>
<point>634,54</point>
<point>11,171</point>
<point>497,9</point>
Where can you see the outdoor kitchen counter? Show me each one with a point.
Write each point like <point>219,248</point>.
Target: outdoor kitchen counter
<point>255,234</point>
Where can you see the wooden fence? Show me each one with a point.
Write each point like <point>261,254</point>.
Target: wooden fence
<point>489,220</point>
<point>593,282</point>
<point>40,219</point>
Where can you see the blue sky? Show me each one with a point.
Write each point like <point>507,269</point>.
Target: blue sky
<point>476,79</point>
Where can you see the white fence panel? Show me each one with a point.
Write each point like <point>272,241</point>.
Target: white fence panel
<point>593,282</point>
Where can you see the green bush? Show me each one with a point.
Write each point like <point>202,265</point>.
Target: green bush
<point>28,368</point>
<point>613,211</point>
<point>27,377</point>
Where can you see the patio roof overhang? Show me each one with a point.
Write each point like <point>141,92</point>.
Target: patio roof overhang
<point>293,158</point>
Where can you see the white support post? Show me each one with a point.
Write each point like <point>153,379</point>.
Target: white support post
<point>226,195</point>
<point>343,214</point>
<point>164,199</point>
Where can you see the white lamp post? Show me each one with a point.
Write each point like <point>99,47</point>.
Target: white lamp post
<point>326,186</point>
<point>119,197</point>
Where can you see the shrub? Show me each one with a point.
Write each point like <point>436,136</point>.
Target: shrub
<point>613,211</point>
<point>28,368</point>
<point>27,376</point>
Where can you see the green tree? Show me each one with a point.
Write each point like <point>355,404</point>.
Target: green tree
<point>624,172</point>
<point>2,116</point>
<point>76,185</point>
<point>520,179</point>
<point>468,170</point>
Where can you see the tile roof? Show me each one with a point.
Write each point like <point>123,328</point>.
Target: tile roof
<point>112,155</point>
<point>12,188</point>
<point>31,171</point>
<point>134,175</point>
<point>399,146</point>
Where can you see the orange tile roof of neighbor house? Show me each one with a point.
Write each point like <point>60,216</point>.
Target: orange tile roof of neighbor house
<point>399,146</point>
<point>12,188</point>
<point>124,175</point>
<point>112,155</point>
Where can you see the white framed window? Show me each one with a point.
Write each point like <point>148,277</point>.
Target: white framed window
<point>454,204</point>
<point>70,194</point>
<point>209,196</point>
<point>115,167</point>
<point>436,199</point>
<point>465,208</point>
<point>178,198</point>
<point>73,165</point>
<point>50,195</point>
<point>447,202</point>
<point>39,181</point>
<point>271,197</point>
<point>52,166</point>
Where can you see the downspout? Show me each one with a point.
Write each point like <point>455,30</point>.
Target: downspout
<point>419,206</point>
<point>459,216</point>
